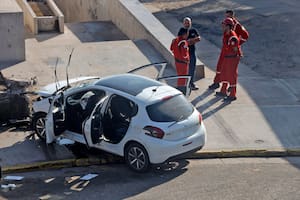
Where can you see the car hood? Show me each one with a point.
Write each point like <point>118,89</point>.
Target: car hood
<point>48,90</point>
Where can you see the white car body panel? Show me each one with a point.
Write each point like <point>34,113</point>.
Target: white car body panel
<point>41,106</point>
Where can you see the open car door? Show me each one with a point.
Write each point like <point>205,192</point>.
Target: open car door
<point>93,129</point>
<point>163,75</point>
<point>55,119</point>
<point>172,81</point>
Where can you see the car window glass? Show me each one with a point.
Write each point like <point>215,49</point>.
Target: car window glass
<point>173,109</point>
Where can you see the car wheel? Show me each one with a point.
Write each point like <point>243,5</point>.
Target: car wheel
<point>38,125</point>
<point>137,158</point>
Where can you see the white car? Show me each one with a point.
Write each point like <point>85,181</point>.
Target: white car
<point>40,106</point>
<point>145,121</point>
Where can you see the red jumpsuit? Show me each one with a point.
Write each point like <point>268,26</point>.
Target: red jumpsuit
<point>217,78</point>
<point>243,36</point>
<point>229,69</point>
<point>180,49</point>
<point>240,30</point>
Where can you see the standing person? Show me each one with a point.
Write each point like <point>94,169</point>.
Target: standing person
<point>243,36</point>
<point>193,38</point>
<point>180,49</point>
<point>238,28</point>
<point>231,57</point>
<point>217,78</point>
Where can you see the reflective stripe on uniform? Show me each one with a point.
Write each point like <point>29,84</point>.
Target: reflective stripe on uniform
<point>182,41</point>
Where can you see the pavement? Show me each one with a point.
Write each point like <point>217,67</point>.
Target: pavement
<point>262,122</point>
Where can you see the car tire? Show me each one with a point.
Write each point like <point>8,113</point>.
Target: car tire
<point>137,158</point>
<point>38,125</point>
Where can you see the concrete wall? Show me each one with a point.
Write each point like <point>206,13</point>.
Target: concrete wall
<point>29,16</point>
<point>59,15</point>
<point>138,23</point>
<point>42,23</point>
<point>12,33</point>
<point>130,16</point>
<point>84,10</point>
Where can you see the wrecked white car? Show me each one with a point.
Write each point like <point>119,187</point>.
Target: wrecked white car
<point>129,115</point>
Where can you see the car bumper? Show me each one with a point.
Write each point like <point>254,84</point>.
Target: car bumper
<point>170,150</point>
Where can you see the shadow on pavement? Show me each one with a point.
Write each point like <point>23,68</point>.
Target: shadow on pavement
<point>112,182</point>
<point>202,96</point>
<point>206,115</point>
<point>96,31</point>
<point>22,146</point>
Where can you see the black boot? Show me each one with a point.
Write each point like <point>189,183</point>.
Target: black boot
<point>214,86</point>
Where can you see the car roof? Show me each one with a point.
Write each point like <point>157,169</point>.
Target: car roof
<point>143,88</point>
<point>129,83</point>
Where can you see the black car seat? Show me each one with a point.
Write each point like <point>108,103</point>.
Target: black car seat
<point>90,105</point>
<point>121,110</point>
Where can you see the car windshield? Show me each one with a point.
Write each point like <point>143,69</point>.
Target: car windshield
<point>176,108</point>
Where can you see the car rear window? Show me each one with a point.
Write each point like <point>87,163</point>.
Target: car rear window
<point>176,108</point>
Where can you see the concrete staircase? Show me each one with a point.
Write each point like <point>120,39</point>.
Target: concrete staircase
<point>42,15</point>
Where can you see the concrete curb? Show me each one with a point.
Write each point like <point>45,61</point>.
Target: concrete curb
<point>235,153</point>
<point>56,164</point>
<point>204,154</point>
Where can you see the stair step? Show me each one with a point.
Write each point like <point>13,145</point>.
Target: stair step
<point>41,9</point>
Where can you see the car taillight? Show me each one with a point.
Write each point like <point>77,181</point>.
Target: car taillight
<point>200,118</point>
<point>154,132</point>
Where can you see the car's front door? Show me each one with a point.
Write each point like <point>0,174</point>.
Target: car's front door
<point>93,128</point>
<point>55,120</point>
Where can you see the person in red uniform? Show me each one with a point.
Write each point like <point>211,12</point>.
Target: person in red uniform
<point>217,78</point>
<point>180,49</point>
<point>231,57</point>
<point>238,28</point>
<point>243,36</point>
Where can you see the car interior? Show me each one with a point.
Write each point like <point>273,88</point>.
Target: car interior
<point>117,118</point>
<point>79,107</point>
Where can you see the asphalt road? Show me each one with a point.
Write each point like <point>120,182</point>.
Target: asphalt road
<point>226,179</point>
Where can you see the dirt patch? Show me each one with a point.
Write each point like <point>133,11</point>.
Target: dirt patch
<point>272,49</point>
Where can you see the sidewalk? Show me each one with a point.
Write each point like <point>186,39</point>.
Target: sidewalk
<point>264,121</point>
